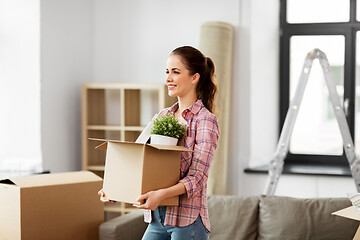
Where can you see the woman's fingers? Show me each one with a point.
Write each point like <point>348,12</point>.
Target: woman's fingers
<point>140,206</point>
<point>103,199</point>
<point>142,202</point>
<point>141,199</point>
<point>101,193</point>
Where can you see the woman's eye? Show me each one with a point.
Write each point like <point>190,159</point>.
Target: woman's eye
<point>176,72</point>
<point>167,72</point>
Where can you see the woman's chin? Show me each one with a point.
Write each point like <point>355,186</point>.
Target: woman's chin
<point>172,94</point>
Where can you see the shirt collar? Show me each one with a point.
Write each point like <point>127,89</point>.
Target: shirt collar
<point>195,108</point>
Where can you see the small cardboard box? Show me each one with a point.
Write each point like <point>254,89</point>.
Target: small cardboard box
<point>351,213</point>
<point>132,169</point>
<point>51,206</point>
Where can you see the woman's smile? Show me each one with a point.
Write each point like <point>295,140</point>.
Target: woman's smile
<point>171,86</point>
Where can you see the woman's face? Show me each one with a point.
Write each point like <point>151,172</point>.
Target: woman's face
<point>179,80</point>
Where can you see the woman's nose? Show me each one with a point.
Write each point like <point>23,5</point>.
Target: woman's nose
<point>169,78</point>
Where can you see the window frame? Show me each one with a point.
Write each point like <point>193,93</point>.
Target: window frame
<point>348,30</point>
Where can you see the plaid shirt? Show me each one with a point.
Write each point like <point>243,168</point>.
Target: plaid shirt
<point>201,135</point>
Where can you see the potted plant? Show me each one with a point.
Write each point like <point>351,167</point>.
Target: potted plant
<point>166,130</point>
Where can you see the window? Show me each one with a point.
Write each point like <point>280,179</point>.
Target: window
<point>332,26</point>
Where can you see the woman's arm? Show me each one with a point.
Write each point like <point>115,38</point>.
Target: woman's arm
<point>207,135</point>
<point>152,199</point>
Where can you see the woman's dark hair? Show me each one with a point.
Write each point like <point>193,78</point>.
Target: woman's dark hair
<point>196,62</point>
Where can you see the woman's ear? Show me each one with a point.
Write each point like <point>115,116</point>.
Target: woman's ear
<point>195,78</point>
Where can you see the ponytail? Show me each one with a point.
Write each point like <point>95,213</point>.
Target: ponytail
<point>196,62</point>
<point>206,88</point>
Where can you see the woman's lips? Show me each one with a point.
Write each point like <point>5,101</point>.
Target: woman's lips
<point>171,87</point>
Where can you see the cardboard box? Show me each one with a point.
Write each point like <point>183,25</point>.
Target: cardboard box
<point>51,206</point>
<point>132,169</point>
<point>351,213</point>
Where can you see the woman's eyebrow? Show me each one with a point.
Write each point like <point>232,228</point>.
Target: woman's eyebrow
<point>173,69</point>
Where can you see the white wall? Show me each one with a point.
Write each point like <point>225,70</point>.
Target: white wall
<point>66,63</point>
<point>130,40</point>
<point>133,38</point>
<point>20,142</point>
<point>255,91</point>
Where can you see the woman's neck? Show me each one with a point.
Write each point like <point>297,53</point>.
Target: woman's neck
<point>185,102</point>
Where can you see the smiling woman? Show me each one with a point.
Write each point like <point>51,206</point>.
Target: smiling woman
<point>190,78</point>
<point>20,87</point>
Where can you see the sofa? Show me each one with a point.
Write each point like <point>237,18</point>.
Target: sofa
<point>255,217</point>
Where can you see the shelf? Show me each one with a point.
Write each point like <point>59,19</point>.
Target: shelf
<point>305,169</point>
<point>134,128</point>
<point>123,86</point>
<point>115,128</point>
<point>105,127</point>
<point>96,168</point>
<point>119,209</point>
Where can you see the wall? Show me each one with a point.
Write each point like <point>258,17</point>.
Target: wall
<point>254,93</point>
<point>133,38</point>
<point>20,140</point>
<point>66,63</point>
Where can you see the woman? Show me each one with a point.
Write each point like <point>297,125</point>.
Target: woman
<point>190,78</point>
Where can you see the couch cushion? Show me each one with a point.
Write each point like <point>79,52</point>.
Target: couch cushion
<point>233,217</point>
<point>294,218</point>
<point>126,227</point>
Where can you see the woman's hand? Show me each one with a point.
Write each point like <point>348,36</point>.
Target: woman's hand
<point>150,200</point>
<point>103,198</point>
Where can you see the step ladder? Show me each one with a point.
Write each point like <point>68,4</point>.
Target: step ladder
<point>277,162</point>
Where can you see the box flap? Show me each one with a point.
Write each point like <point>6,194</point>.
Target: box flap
<point>52,179</point>
<point>173,148</point>
<point>145,134</point>
<point>103,146</point>
<point>349,212</point>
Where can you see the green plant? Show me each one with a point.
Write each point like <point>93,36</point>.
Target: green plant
<point>168,125</point>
